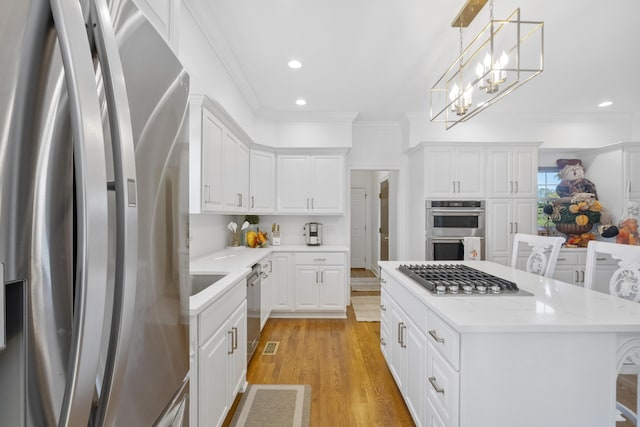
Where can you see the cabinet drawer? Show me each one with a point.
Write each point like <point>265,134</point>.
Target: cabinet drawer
<point>565,257</point>
<point>444,338</point>
<point>443,387</point>
<point>320,258</point>
<point>219,311</point>
<point>384,308</point>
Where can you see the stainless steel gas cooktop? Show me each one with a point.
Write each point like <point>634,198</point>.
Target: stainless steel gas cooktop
<point>458,279</point>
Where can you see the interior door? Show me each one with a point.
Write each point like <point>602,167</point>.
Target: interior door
<point>384,220</point>
<point>358,227</point>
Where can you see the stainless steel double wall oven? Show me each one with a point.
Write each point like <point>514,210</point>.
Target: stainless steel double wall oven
<point>448,222</point>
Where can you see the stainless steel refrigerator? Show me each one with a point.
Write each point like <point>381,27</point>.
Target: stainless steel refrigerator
<point>93,217</point>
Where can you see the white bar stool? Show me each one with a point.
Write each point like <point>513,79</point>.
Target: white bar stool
<point>544,253</point>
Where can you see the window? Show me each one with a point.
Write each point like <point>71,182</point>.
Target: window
<point>548,180</point>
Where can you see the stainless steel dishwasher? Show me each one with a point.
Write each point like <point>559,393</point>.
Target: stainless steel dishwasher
<point>253,310</point>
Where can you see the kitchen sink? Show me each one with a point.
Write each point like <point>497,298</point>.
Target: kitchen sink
<point>200,282</point>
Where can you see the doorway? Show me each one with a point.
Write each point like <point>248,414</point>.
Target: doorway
<point>372,221</point>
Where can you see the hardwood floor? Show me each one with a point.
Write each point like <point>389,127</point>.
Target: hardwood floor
<point>341,360</point>
<point>626,394</point>
<point>350,382</point>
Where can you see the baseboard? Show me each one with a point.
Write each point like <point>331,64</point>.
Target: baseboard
<point>308,314</point>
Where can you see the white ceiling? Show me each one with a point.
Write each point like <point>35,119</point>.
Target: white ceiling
<point>379,58</point>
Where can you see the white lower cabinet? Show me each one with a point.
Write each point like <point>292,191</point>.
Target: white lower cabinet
<point>320,281</point>
<point>570,268</point>
<point>282,291</point>
<point>405,346</point>
<point>218,356</point>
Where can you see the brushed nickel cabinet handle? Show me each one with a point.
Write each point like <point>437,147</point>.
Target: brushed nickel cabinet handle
<point>435,385</point>
<point>403,344</point>
<point>399,332</point>
<point>382,307</point>
<point>435,336</point>
<point>382,341</point>
<point>231,333</point>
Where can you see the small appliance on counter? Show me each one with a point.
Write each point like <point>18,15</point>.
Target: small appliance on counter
<point>275,234</point>
<point>313,233</point>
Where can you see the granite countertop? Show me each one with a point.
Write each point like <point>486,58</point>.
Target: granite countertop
<point>555,306</point>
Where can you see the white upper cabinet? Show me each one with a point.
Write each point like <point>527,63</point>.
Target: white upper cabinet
<point>310,184</point>
<point>262,187</point>
<point>218,161</point>
<point>211,162</point>
<point>512,172</point>
<point>454,171</point>
<point>235,174</point>
<point>632,173</point>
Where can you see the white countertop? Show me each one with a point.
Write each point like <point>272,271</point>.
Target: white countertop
<point>555,306</point>
<point>234,263</point>
<point>235,258</point>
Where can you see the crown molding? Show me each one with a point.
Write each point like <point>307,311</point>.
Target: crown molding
<point>221,48</point>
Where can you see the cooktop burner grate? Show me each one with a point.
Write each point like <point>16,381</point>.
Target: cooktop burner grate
<point>458,279</point>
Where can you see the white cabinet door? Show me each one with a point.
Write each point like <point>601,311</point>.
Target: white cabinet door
<point>237,333</point>
<point>525,172</point>
<point>525,214</point>
<point>327,184</point>
<point>632,172</point>
<point>470,171</point>
<point>293,184</point>
<point>306,287</point>
<point>263,182</point>
<point>440,175</point>
<point>211,162</point>
<point>512,172</point>
<point>415,392</point>
<point>499,172</point>
<point>499,238</point>
<point>454,172</point>
<point>235,174</point>
<point>504,218</point>
<point>331,291</point>
<point>310,184</point>
<point>397,350</point>
<point>282,281</point>
<point>213,400</point>
<point>242,175</point>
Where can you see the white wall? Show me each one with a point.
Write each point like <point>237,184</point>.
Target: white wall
<point>566,131</point>
<point>364,179</point>
<point>209,76</point>
<point>378,147</point>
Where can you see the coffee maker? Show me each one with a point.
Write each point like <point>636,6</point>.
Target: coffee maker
<point>313,233</point>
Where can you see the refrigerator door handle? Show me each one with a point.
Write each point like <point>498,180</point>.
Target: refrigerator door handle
<point>92,212</point>
<point>3,312</point>
<point>126,213</point>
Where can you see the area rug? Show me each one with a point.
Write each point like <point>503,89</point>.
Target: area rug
<point>274,405</point>
<point>366,308</point>
<point>365,284</point>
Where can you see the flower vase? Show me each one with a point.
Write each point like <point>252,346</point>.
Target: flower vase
<point>235,238</point>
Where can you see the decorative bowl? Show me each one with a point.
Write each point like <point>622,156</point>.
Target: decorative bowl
<point>573,228</point>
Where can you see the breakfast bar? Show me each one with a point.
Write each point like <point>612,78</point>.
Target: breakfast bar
<point>547,356</point>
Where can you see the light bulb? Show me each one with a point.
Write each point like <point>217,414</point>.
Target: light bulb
<point>504,59</point>
<point>453,94</point>
<point>487,61</point>
<point>468,94</point>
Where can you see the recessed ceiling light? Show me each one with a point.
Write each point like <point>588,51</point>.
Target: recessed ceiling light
<point>295,64</point>
<point>605,104</point>
<point>301,101</point>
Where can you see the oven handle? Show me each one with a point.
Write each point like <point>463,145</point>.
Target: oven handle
<point>456,211</point>
<point>459,238</point>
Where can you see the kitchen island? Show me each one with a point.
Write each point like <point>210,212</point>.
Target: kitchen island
<point>547,359</point>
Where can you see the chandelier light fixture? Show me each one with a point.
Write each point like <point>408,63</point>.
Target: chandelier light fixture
<point>502,57</point>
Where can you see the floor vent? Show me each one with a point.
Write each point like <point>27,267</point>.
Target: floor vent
<point>271,348</point>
